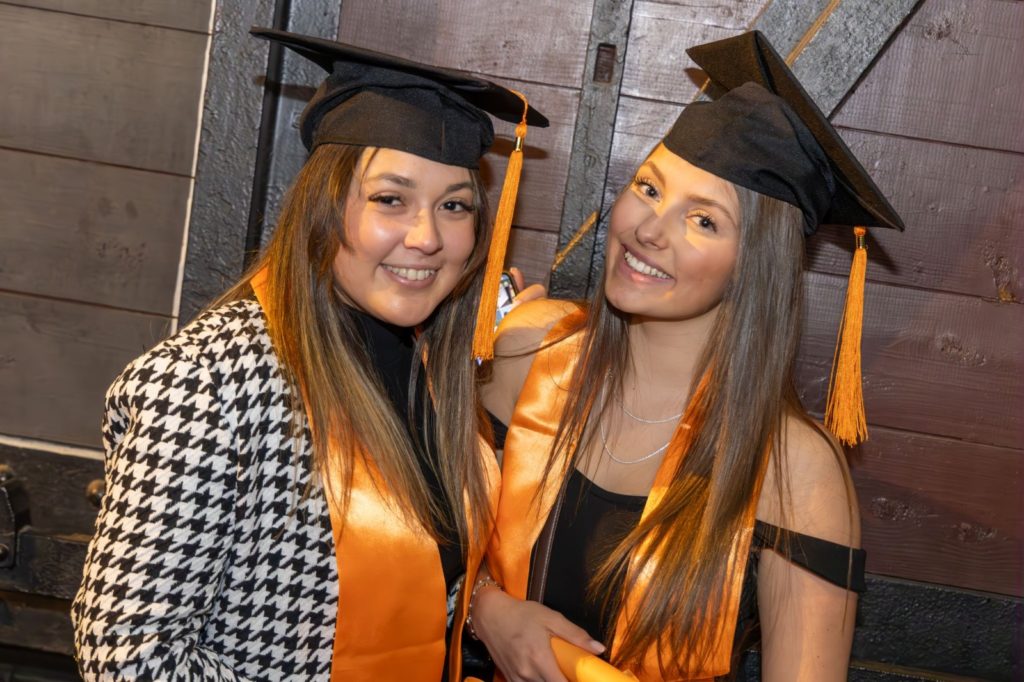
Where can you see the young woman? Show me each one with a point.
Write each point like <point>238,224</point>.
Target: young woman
<point>665,498</point>
<point>295,484</point>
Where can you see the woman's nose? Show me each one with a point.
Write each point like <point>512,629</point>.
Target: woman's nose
<point>651,231</point>
<point>423,235</point>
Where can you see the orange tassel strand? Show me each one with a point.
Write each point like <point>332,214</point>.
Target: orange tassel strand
<point>483,335</point>
<point>844,415</point>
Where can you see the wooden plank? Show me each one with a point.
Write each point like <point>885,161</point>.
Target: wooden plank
<point>90,232</point>
<point>934,363</point>
<point>656,60</point>
<point>544,43</point>
<point>545,157</point>
<point>56,361</point>
<point>953,74</point>
<point>532,252</point>
<point>942,511</point>
<point>128,94</point>
<point>961,207</point>
<point>591,147</point>
<point>37,623</point>
<point>232,108</point>
<point>188,15</point>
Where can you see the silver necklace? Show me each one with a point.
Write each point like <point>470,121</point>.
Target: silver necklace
<point>664,420</point>
<point>604,435</point>
<point>611,455</point>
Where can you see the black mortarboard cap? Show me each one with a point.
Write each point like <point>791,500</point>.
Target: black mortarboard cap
<point>376,100</point>
<point>767,134</point>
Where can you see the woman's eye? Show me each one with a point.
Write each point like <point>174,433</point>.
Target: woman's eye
<point>386,199</point>
<point>706,222</point>
<point>646,187</point>
<point>458,206</point>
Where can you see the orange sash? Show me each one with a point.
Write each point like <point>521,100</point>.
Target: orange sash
<point>524,507</point>
<point>391,588</point>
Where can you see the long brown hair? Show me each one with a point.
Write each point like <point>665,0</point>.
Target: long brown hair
<point>315,336</point>
<point>748,359</point>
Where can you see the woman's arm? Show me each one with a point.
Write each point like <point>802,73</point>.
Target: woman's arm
<point>806,622</point>
<point>163,532</point>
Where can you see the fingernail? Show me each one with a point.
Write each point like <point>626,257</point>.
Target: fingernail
<point>596,645</point>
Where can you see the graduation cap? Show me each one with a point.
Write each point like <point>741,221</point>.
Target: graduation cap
<point>767,134</point>
<point>377,100</point>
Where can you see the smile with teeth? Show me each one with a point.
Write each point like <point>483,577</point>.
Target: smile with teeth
<point>638,265</point>
<point>411,274</point>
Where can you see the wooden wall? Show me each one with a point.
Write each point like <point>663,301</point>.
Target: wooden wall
<point>97,148</point>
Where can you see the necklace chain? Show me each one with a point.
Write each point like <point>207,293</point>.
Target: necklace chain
<point>604,433</point>
<point>663,420</point>
<point>608,451</point>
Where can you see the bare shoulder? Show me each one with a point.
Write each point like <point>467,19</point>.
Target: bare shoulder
<point>521,333</point>
<point>807,487</point>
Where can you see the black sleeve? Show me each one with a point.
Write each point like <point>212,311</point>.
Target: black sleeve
<point>840,565</point>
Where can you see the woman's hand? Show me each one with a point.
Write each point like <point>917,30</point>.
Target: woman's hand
<point>518,636</point>
<point>526,293</point>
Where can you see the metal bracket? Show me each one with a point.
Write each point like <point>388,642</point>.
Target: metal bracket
<point>14,515</point>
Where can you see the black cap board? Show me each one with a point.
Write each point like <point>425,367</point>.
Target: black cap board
<point>767,134</point>
<point>376,100</point>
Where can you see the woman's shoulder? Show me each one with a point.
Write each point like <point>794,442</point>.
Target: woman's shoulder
<point>218,342</point>
<point>521,334</point>
<point>524,329</point>
<point>807,486</point>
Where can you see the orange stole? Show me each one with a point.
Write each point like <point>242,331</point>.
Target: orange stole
<point>524,506</point>
<point>391,589</point>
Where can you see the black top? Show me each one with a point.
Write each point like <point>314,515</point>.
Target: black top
<point>592,521</point>
<point>390,350</point>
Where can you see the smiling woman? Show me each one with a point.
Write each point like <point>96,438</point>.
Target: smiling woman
<point>292,490</point>
<point>410,228</point>
<point>663,490</point>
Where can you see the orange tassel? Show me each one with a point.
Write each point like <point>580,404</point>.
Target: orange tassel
<point>844,415</point>
<point>483,335</point>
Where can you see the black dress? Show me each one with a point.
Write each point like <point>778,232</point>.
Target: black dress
<point>592,521</point>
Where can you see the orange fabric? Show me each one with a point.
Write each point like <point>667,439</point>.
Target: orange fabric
<point>391,588</point>
<point>579,665</point>
<point>523,511</point>
<point>844,415</point>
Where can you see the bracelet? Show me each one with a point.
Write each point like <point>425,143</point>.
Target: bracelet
<point>480,584</point>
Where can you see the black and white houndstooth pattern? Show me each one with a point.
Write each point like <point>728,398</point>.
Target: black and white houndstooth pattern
<point>208,562</point>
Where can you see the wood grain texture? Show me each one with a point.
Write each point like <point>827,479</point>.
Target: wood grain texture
<point>189,15</point>
<point>962,208</point>
<point>942,511</point>
<point>542,42</point>
<point>545,157</point>
<point>952,74</point>
<point>90,232</point>
<point>934,363</point>
<point>656,59</point>
<point>36,623</point>
<point>56,361</point>
<point>100,90</point>
<point>532,252</point>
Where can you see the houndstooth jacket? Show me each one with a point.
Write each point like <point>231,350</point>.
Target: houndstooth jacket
<point>208,562</point>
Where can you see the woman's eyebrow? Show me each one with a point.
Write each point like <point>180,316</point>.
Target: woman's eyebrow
<point>714,203</point>
<point>459,185</point>
<point>396,179</point>
<point>655,170</point>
